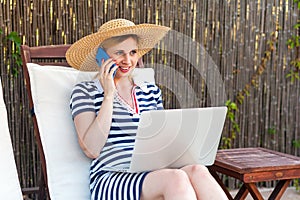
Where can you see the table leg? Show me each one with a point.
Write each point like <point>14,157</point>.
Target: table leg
<point>254,191</point>
<point>242,193</point>
<point>220,182</point>
<point>279,189</point>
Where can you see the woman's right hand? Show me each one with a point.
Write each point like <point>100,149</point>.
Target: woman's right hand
<point>93,129</point>
<point>106,77</point>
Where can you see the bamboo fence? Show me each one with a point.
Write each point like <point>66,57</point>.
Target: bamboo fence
<point>234,35</point>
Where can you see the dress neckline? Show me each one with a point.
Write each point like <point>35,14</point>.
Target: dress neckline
<point>134,109</point>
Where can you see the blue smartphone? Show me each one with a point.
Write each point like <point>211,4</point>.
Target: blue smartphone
<point>102,55</point>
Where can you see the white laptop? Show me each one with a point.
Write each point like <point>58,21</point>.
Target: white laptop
<point>178,137</point>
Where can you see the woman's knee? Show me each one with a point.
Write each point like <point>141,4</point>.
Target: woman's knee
<point>197,170</point>
<point>178,176</point>
<point>179,182</point>
<point>168,183</point>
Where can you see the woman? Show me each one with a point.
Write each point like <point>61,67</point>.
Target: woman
<point>106,115</point>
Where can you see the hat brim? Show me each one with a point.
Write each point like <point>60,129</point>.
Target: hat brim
<point>82,54</point>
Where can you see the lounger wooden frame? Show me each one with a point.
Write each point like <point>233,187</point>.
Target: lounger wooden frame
<point>43,55</point>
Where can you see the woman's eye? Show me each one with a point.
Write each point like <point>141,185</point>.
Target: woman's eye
<point>133,52</point>
<point>119,53</point>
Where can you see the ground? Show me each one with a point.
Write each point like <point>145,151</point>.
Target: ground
<point>289,194</point>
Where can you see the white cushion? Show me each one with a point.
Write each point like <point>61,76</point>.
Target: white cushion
<point>9,182</point>
<point>140,75</point>
<point>67,166</point>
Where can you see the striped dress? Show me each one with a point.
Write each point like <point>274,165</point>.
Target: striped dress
<point>109,178</point>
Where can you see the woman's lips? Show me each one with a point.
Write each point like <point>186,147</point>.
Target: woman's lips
<point>124,69</point>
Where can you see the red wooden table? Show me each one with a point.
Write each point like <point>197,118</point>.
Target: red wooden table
<point>253,165</point>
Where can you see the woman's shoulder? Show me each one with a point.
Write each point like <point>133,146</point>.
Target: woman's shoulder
<point>148,85</point>
<point>148,88</point>
<point>88,86</point>
<point>85,84</point>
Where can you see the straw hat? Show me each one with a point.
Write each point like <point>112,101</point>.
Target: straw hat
<point>82,54</point>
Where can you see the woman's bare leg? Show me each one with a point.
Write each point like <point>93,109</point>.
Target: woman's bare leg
<point>205,186</point>
<point>168,184</point>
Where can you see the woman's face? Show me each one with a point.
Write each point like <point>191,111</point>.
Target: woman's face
<point>125,56</point>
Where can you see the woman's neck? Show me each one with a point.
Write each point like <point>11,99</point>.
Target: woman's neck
<point>124,88</point>
<point>123,83</point>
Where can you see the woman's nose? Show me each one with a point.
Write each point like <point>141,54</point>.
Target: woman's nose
<point>126,58</point>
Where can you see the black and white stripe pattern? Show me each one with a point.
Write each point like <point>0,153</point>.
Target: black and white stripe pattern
<point>109,178</point>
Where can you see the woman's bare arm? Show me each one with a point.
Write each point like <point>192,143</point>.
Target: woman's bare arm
<point>93,130</point>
